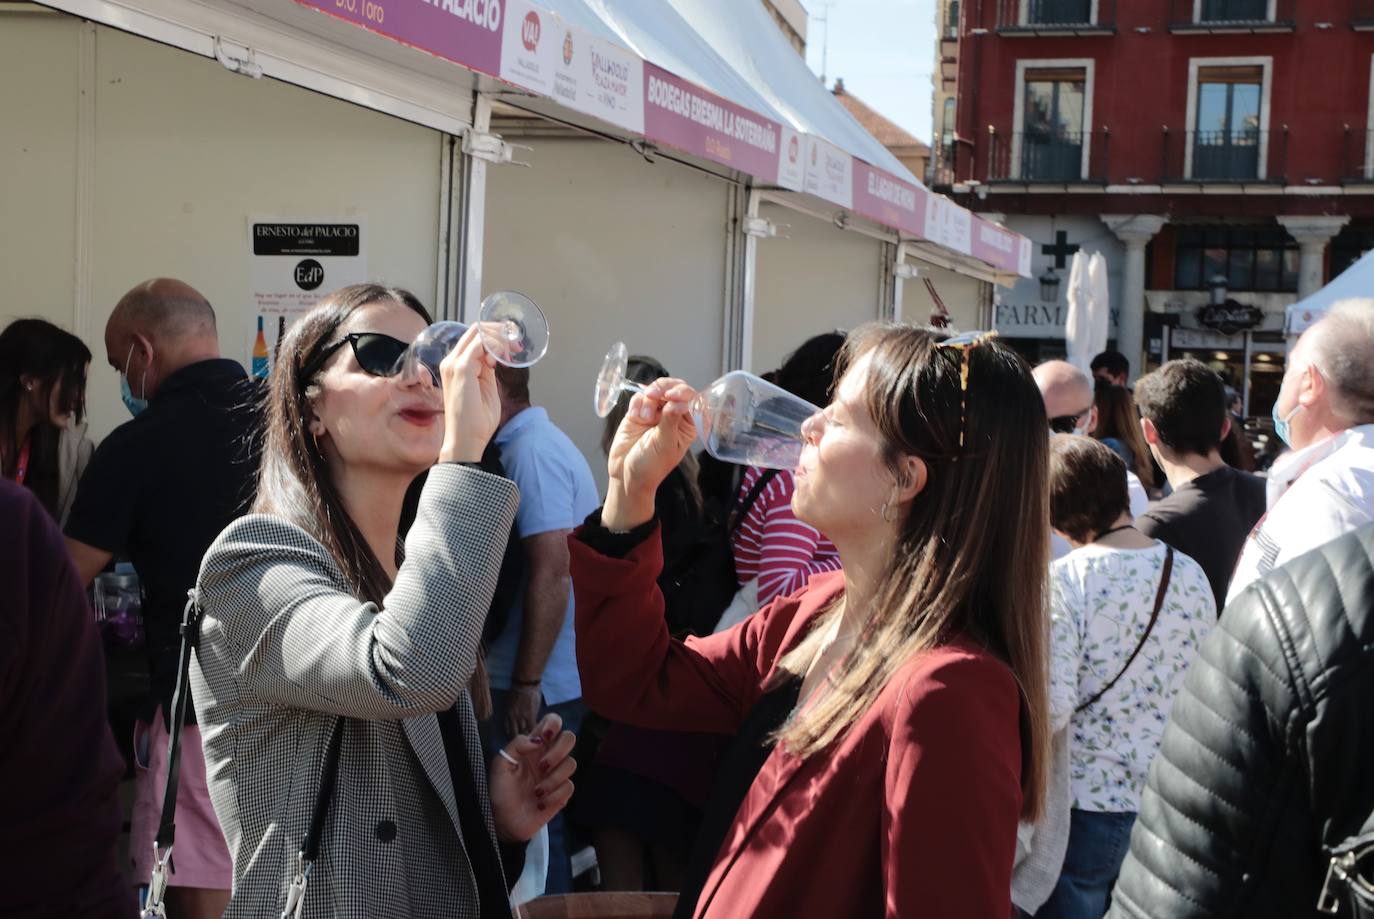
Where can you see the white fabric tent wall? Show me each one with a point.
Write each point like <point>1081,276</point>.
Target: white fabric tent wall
<point>612,248</point>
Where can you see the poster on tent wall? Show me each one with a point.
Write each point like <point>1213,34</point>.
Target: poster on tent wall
<point>683,115</point>
<point>529,47</point>
<point>292,264</point>
<point>791,160</point>
<point>829,172</point>
<point>599,78</point>
<point>467,32</point>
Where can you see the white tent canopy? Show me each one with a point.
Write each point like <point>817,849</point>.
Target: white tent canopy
<point>1355,281</point>
<point>736,51</point>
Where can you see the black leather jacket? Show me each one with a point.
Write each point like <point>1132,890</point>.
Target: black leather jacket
<point>1268,758</point>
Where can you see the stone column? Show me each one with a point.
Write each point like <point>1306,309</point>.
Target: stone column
<point>1135,230</point>
<point>1312,234</point>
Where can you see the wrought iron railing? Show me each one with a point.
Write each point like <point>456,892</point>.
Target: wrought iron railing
<point>1358,155</point>
<point>1033,16</point>
<point>1233,14</point>
<point>1242,155</point>
<point>1048,156</point>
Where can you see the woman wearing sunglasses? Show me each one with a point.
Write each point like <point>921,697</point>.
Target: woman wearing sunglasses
<point>890,719</point>
<point>329,646</point>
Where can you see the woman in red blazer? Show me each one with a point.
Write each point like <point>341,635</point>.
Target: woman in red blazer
<point>890,719</point>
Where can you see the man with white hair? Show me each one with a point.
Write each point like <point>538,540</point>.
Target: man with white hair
<point>1068,395</point>
<point>1324,488</point>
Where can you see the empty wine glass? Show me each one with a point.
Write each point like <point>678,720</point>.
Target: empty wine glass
<point>513,330</point>
<point>740,418</point>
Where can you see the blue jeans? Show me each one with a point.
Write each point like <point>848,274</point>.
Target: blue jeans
<point>494,737</point>
<point>1098,841</point>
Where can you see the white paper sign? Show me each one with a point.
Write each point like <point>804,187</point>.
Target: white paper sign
<point>530,46</point>
<point>293,263</point>
<point>791,160</point>
<point>948,224</point>
<point>829,172</point>
<point>598,77</point>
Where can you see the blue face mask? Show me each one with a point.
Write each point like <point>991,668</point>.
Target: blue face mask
<point>1281,425</point>
<point>134,404</point>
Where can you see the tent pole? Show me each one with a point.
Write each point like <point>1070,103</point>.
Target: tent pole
<point>474,198</point>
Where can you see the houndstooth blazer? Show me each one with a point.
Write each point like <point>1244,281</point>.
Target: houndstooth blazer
<point>286,649</point>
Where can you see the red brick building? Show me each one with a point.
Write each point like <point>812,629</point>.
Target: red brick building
<point>1188,140</point>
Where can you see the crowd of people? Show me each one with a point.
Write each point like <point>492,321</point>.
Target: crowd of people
<point>1008,641</point>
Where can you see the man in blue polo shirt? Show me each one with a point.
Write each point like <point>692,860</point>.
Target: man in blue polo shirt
<point>533,662</point>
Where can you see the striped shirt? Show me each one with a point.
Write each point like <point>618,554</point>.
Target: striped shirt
<point>776,547</point>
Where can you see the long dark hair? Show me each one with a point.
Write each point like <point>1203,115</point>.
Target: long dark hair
<point>972,556</point>
<point>293,481</point>
<point>1117,417</point>
<point>55,358</point>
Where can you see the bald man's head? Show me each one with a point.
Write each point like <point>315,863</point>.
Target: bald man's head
<point>157,328</point>
<point>1068,395</point>
<point>1340,347</point>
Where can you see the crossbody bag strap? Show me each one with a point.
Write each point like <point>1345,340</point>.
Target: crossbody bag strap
<point>750,500</point>
<point>181,699</point>
<point>1154,617</point>
<point>310,846</point>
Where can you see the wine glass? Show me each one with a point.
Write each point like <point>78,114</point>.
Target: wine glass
<point>740,418</point>
<point>513,330</point>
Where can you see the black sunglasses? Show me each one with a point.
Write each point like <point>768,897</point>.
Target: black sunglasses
<point>375,353</point>
<point>1064,424</point>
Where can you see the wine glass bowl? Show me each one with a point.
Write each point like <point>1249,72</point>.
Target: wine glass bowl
<point>611,381</point>
<point>513,330</point>
<point>740,418</point>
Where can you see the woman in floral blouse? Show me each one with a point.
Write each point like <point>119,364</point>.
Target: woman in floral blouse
<point>1104,597</point>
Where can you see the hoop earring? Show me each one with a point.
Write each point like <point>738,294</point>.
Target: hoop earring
<point>889,504</point>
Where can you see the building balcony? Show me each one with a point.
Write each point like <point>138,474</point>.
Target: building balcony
<point>941,171</point>
<point>1055,17</point>
<point>1042,158</point>
<point>1224,157</point>
<point>1362,15</point>
<point>1358,156</point>
<point>1206,17</point>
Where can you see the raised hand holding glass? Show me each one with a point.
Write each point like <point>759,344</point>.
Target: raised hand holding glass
<point>740,418</point>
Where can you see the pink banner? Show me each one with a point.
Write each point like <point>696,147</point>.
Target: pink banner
<point>889,200</point>
<point>467,32</point>
<point>996,245</point>
<point>683,115</point>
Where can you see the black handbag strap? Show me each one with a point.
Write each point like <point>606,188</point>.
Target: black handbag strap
<point>166,830</point>
<point>310,848</point>
<point>1154,617</point>
<point>181,698</point>
<point>749,501</point>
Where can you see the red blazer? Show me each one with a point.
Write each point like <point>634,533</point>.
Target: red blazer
<point>911,814</point>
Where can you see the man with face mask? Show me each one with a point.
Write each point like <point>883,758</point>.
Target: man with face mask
<point>1068,395</point>
<point>158,491</point>
<point>1324,487</point>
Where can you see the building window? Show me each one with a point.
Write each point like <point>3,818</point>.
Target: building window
<point>947,122</point>
<point>1059,12</point>
<point>1226,135</point>
<point>1233,11</point>
<point>1052,125</point>
<point>1250,258</point>
<point>1349,246</point>
<point>952,19</point>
